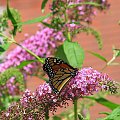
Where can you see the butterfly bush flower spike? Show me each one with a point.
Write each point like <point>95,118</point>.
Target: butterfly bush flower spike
<point>86,82</point>
<point>77,11</point>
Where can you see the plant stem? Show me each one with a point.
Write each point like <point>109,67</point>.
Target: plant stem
<point>67,29</point>
<point>40,59</point>
<point>69,36</point>
<point>5,36</point>
<point>30,52</point>
<point>46,113</point>
<point>75,108</point>
<point>111,60</point>
<point>85,3</point>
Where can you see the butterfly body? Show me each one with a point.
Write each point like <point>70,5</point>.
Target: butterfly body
<point>59,73</point>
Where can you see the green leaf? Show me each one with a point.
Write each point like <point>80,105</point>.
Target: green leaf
<point>56,118</point>
<point>115,115</point>
<point>98,56</point>
<point>35,20</point>
<point>116,52</point>
<point>43,78</point>
<point>106,113</point>
<point>80,117</point>
<point>6,100</point>
<point>74,53</point>
<point>25,63</point>
<point>10,16</point>
<point>44,2</point>
<point>104,102</point>
<point>61,54</point>
<point>4,47</point>
<point>48,25</point>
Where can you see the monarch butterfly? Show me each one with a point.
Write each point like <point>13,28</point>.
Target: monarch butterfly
<point>59,73</point>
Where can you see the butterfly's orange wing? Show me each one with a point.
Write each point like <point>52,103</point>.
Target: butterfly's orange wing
<point>59,73</point>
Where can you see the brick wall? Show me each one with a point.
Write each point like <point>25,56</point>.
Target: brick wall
<point>106,23</point>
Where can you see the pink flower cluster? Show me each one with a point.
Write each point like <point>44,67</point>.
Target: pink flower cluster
<point>42,44</point>
<point>35,105</point>
<point>78,12</point>
<point>85,83</point>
